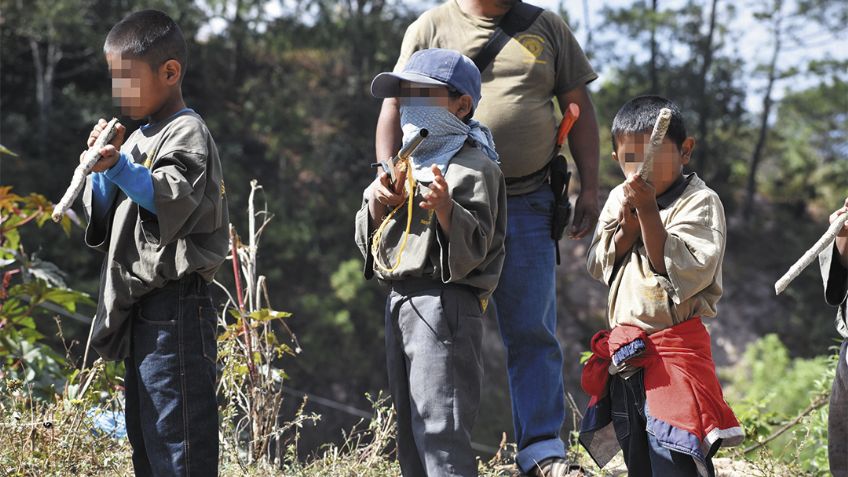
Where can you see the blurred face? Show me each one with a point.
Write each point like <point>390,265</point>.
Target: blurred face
<point>668,162</point>
<point>428,95</point>
<point>137,88</point>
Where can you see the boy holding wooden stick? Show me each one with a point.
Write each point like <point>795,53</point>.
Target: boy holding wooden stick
<point>659,247</point>
<point>438,245</point>
<point>834,270</point>
<point>157,209</point>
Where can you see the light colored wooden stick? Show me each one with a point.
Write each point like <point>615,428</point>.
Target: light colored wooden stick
<point>84,168</point>
<point>811,254</point>
<point>646,170</point>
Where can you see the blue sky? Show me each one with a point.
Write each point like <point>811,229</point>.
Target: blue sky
<point>754,41</point>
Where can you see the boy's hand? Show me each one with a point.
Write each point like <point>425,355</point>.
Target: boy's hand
<point>639,193</point>
<point>108,154</point>
<point>844,210</point>
<point>383,191</point>
<point>439,198</point>
<point>628,220</point>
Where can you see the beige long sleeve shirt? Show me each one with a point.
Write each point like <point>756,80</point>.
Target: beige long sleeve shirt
<point>693,254</point>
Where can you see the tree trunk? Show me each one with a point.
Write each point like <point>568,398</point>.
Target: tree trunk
<point>587,46</point>
<point>45,74</point>
<point>655,87</point>
<point>239,31</point>
<point>704,113</point>
<point>751,187</point>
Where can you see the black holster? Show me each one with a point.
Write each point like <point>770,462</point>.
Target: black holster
<point>560,177</point>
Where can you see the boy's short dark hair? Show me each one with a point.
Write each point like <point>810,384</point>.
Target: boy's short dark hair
<point>148,35</point>
<point>638,116</point>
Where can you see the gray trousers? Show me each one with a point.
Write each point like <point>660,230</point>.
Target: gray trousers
<point>433,353</point>
<point>837,420</point>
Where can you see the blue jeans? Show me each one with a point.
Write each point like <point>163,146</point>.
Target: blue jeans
<point>525,301</point>
<point>171,410</point>
<point>643,454</point>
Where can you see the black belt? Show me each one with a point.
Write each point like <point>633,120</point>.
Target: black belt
<point>411,285</point>
<point>540,174</point>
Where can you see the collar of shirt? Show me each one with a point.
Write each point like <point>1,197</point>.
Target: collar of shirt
<point>151,124</point>
<point>675,191</point>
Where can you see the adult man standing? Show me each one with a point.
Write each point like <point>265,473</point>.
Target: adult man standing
<point>540,62</point>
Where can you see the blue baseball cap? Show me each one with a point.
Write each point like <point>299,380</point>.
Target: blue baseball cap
<point>435,66</point>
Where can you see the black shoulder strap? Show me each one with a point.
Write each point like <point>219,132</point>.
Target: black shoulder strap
<point>516,20</point>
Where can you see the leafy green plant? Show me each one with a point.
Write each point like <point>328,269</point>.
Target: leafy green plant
<point>250,351</point>
<point>30,290</point>
<point>782,404</point>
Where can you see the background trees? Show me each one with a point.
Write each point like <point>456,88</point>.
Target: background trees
<point>284,86</point>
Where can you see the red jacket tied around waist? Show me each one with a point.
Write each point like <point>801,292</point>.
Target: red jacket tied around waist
<point>687,411</point>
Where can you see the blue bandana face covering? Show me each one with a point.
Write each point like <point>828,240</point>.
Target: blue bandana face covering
<point>447,136</point>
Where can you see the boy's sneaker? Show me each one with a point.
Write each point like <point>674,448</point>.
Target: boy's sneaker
<point>556,467</point>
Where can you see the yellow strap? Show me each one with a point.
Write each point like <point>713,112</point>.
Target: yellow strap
<point>378,235</point>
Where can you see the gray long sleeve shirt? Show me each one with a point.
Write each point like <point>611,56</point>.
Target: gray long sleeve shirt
<point>145,251</point>
<point>472,256</point>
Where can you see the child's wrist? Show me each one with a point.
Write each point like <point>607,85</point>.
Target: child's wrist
<point>648,207</point>
<point>444,212</point>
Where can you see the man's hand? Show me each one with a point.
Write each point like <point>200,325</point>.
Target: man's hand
<point>639,193</point>
<point>583,144</point>
<point>108,154</point>
<point>586,212</point>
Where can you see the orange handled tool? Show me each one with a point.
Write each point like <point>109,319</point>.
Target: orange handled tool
<point>560,177</point>
<point>569,117</point>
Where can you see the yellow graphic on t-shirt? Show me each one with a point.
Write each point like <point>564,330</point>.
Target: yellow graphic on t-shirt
<point>429,218</point>
<point>654,294</point>
<point>533,46</point>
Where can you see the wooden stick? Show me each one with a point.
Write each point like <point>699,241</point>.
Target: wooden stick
<point>811,254</point>
<point>646,170</point>
<point>84,168</point>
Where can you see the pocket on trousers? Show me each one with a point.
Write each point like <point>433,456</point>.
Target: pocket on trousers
<point>208,332</point>
<point>167,319</point>
<point>619,411</point>
<point>621,424</point>
<point>427,314</point>
<point>160,309</point>
<point>156,328</point>
<point>540,203</point>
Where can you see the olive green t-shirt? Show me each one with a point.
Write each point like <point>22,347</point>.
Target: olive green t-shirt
<point>518,86</point>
